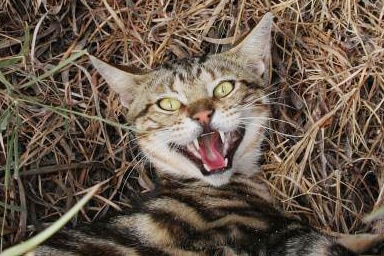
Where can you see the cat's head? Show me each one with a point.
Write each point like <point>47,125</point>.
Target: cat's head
<point>201,117</point>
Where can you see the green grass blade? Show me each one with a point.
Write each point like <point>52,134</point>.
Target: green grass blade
<point>4,81</point>
<point>375,215</point>
<point>61,65</point>
<point>41,237</point>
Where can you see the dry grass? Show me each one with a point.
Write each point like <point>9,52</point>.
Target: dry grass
<point>60,131</point>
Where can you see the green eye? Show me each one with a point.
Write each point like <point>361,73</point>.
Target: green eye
<point>223,89</point>
<point>169,104</point>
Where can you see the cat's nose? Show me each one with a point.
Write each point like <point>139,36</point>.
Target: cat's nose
<point>203,116</point>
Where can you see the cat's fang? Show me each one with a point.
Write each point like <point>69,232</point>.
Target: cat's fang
<point>225,147</point>
<point>192,149</point>
<point>196,144</point>
<point>222,137</point>
<point>206,167</point>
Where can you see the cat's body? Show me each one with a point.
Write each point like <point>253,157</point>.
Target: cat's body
<point>201,124</point>
<point>193,218</point>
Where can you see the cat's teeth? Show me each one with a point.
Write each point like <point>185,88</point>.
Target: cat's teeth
<point>222,136</point>
<point>192,149</point>
<point>206,167</point>
<point>226,162</point>
<point>225,149</point>
<point>196,143</point>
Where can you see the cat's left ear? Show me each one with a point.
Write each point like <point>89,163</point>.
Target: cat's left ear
<point>122,82</point>
<point>255,48</point>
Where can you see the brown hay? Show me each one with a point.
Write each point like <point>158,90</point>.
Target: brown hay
<point>58,135</point>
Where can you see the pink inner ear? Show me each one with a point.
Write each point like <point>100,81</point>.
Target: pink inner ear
<point>126,99</point>
<point>259,67</point>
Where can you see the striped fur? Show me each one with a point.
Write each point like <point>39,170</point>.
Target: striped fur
<point>200,122</point>
<point>194,218</point>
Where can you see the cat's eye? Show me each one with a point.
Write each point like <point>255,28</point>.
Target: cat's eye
<point>169,104</point>
<point>223,89</point>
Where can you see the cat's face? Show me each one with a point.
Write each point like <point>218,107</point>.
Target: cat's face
<point>201,117</point>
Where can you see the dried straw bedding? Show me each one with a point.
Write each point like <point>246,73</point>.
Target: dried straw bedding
<point>59,124</point>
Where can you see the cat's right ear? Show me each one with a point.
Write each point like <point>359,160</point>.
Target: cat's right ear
<point>255,48</point>
<point>120,81</point>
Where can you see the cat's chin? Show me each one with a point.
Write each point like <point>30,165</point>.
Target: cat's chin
<point>213,151</point>
<point>219,179</point>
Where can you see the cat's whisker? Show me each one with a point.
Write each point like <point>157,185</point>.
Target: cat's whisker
<point>252,119</point>
<point>256,105</point>
<point>142,160</point>
<point>244,125</point>
<point>142,154</point>
<point>266,99</point>
<point>269,129</point>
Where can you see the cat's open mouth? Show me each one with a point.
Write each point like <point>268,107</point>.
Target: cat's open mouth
<point>213,151</point>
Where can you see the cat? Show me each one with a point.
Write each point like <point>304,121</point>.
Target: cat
<point>200,122</point>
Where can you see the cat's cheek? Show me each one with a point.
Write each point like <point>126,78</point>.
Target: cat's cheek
<point>146,125</point>
<point>185,132</point>
<point>154,121</point>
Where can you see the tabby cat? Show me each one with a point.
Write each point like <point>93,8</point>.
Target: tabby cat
<point>200,123</point>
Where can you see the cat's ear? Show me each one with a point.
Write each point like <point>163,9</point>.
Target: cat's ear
<point>122,82</point>
<point>255,48</point>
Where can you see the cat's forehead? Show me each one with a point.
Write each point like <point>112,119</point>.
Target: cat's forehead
<point>192,71</point>
<point>184,63</point>
<point>193,78</point>
<point>195,65</point>
<point>185,69</point>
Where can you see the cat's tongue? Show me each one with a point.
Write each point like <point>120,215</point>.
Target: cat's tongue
<point>210,152</point>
